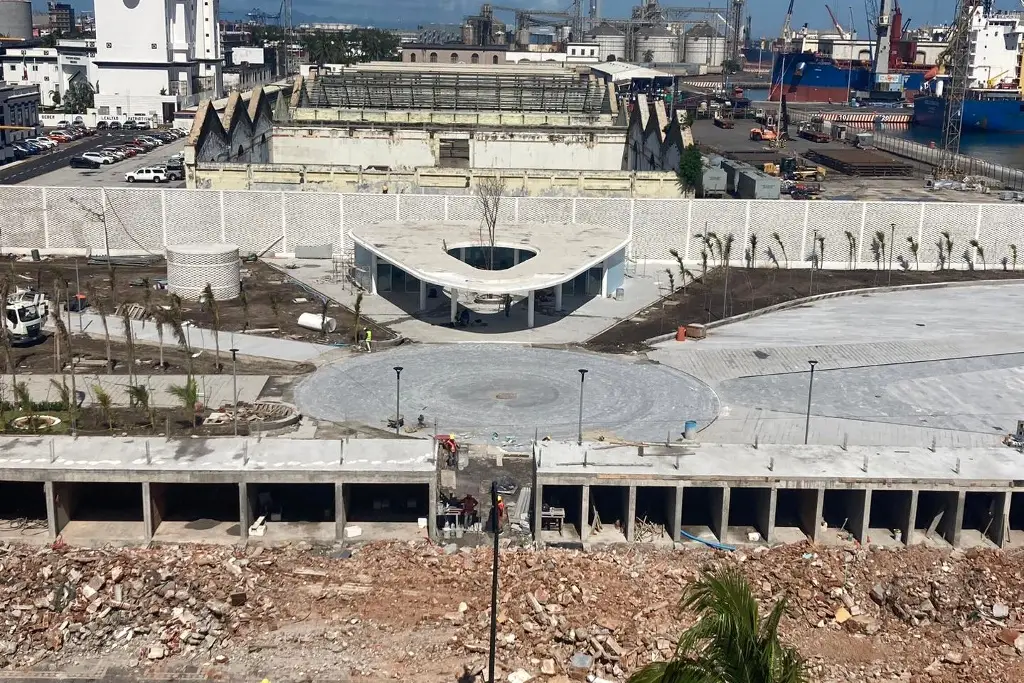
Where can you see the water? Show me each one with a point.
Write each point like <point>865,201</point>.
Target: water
<point>1003,149</point>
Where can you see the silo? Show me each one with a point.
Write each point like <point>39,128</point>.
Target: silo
<point>656,44</point>
<point>611,42</point>
<point>704,45</point>
<point>16,19</point>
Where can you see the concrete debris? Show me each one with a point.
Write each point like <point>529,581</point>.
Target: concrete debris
<point>1000,611</point>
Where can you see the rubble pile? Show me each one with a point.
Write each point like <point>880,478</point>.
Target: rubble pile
<point>419,612</point>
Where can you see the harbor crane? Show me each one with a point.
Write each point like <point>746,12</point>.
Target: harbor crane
<point>956,58</point>
<point>787,26</point>
<point>835,22</point>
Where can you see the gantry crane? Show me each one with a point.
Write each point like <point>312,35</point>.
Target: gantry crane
<point>957,61</point>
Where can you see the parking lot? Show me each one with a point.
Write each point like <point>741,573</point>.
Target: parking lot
<point>51,168</point>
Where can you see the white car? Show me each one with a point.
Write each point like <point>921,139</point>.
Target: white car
<point>116,153</point>
<point>146,174</point>
<point>155,141</point>
<point>99,157</point>
<point>43,142</point>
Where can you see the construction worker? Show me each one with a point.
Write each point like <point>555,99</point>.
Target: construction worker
<point>367,338</point>
<point>501,513</point>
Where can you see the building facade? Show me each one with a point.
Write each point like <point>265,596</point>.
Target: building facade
<point>157,56</point>
<point>19,109</point>
<point>454,54</point>
<point>62,17</point>
<point>51,69</point>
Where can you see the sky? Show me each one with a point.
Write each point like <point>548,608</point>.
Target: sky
<point>768,15</point>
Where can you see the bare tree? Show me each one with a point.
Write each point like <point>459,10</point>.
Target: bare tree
<point>5,294</point>
<point>129,341</point>
<point>65,341</point>
<point>102,310</point>
<point>488,193</point>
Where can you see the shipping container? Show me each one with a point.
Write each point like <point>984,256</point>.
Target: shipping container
<point>752,184</point>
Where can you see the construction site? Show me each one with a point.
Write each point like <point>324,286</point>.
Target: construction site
<point>260,426</point>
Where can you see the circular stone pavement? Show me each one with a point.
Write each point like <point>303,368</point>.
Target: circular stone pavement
<point>504,393</point>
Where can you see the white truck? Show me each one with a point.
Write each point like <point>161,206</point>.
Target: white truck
<point>26,313</point>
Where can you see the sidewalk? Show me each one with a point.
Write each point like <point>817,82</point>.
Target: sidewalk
<point>202,338</point>
<point>214,390</point>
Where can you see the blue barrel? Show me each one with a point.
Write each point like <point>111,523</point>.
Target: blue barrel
<point>690,429</point>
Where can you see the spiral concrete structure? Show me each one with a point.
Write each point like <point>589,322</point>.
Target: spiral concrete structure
<point>190,267</point>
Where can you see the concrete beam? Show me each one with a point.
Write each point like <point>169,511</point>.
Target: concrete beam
<point>373,273</point>
<point>529,309</point>
<point>953,520</point>
<point>766,513</point>
<point>1000,535</point>
<point>908,533</point>
<point>860,514</point>
<point>455,305</point>
<point>150,515</point>
<point>630,513</point>
<point>339,511</point>
<point>59,503</point>
<point>423,295</point>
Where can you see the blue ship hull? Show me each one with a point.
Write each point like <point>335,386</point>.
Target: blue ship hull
<point>806,77</point>
<point>995,116</point>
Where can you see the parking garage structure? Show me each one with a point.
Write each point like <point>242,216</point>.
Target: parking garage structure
<point>99,490</point>
<point>546,267</point>
<point>730,495</point>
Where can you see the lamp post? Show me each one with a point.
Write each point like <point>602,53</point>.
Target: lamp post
<point>579,433</point>
<point>892,238</point>
<point>495,527</point>
<point>398,398</point>
<point>810,389</point>
<point>234,388</point>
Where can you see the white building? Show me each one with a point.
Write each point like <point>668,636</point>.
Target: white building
<point>52,69</point>
<point>996,49</point>
<point>19,116</point>
<point>156,56</point>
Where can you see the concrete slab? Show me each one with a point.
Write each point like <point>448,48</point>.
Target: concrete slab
<point>282,533</point>
<point>568,535</point>
<point>506,395</point>
<point>883,538</point>
<point>789,534</point>
<point>33,532</point>
<point>402,532</point>
<point>608,535</point>
<point>216,390</point>
<point>96,533</point>
<point>203,531</point>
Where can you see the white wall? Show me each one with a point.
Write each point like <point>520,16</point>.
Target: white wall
<point>366,148</point>
<point>131,28</point>
<point>554,151</point>
<point>133,90</point>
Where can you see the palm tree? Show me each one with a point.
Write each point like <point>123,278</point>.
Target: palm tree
<point>105,402</point>
<point>778,240</point>
<point>731,641</point>
<point>947,242</point>
<point>851,247</point>
<point>684,272</point>
<point>175,318</point>
<point>726,253</point>
<point>102,311</point>
<point>876,251</point>
<point>139,396</point>
<point>941,255</point>
<point>157,313</point>
<point>129,340</point>
<point>215,311</point>
<point>188,394</point>
<point>1013,255</point>
<point>65,342</point>
<point>752,251</point>
<point>821,251</point>
<point>5,294</point>
<point>914,248</point>
<point>356,312</point>
<point>24,401</point>
<point>244,301</point>
<point>880,238</point>
<point>981,253</point>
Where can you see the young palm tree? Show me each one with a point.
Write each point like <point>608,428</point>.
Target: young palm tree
<point>980,251</point>
<point>210,301</point>
<point>24,401</point>
<point>731,641</point>
<point>851,247</point>
<point>914,248</point>
<point>671,281</point>
<point>821,251</point>
<point>684,272</point>
<point>102,310</point>
<point>5,294</point>
<point>188,394</point>
<point>129,341</point>
<point>1013,255</point>
<point>175,319</point>
<point>752,259</point>
<point>941,255</point>
<point>726,253</point>
<point>778,240</point>
<point>139,396</point>
<point>156,312</point>
<point>880,238</point>
<point>947,242</point>
<point>356,313</point>
<point>244,301</point>
<point>65,342</point>
<point>877,251</point>
<point>64,392</point>
<point>105,403</point>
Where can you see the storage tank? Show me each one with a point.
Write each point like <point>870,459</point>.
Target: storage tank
<point>611,42</point>
<point>656,44</point>
<point>16,19</point>
<point>190,267</point>
<point>702,44</point>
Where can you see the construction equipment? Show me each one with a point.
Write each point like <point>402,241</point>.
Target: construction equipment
<point>26,311</point>
<point>723,122</point>
<point>794,168</point>
<point>787,30</point>
<point>835,22</point>
<point>763,134</point>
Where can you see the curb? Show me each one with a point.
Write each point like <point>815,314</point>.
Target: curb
<point>835,295</point>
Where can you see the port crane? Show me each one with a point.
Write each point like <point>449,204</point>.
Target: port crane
<point>787,26</point>
<point>835,22</point>
<point>956,59</point>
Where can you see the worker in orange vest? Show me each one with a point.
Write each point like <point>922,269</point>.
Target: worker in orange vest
<point>501,513</point>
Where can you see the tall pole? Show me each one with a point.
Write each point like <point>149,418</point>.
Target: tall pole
<point>495,528</point>
<point>234,388</point>
<point>892,238</point>
<point>810,390</point>
<point>398,398</point>
<point>579,433</point>
<point>814,258</point>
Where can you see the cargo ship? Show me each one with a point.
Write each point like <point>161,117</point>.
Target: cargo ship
<point>984,110</point>
<point>809,77</point>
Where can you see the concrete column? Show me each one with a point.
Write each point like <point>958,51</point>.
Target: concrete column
<point>675,516</point>
<point>766,513</point>
<point>373,273</point>
<point>585,516</point>
<point>558,297</point>
<point>604,279</point>
<point>999,535</point>
<point>423,295</point>
<point>720,515</point>
<point>58,510</point>
<point>953,520</point>
<point>455,304</point>
<point>908,534</point>
<point>630,513</point>
<point>244,513</point>
<point>339,511</point>
<point>859,516</point>
<point>529,309</point>
<point>462,250</point>
<point>150,515</point>
<point>538,509</point>
<point>432,508</point>
<point>515,257</point>
<point>811,513</point>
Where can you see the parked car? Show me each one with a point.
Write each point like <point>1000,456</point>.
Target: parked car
<point>83,162</point>
<point>128,150</point>
<point>144,144</point>
<point>99,157</point>
<point>152,138</point>
<point>174,171</point>
<point>62,124</point>
<point>135,149</point>
<point>32,146</point>
<point>142,125</point>
<point>19,153</point>
<point>146,174</point>
<point>114,125</point>
<point>114,152</point>
<point>128,125</point>
<point>45,143</point>
<point>102,125</point>
<point>23,149</point>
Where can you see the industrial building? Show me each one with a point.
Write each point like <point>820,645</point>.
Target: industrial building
<point>15,19</point>
<point>51,69</point>
<point>19,114</point>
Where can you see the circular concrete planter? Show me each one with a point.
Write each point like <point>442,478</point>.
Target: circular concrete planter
<point>35,423</point>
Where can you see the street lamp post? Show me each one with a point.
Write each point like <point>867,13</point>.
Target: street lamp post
<point>810,390</point>
<point>892,238</point>
<point>579,433</point>
<point>496,528</point>
<point>234,388</point>
<point>398,398</point>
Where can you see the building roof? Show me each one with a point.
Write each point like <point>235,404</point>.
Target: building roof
<point>704,30</point>
<point>563,251</point>
<point>454,46</point>
<point>657,32</point>
<point>605,29</point>
<point>624,71</point>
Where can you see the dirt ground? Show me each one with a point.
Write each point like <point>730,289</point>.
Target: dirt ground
<point>91,421</point>
<point>750,289</point>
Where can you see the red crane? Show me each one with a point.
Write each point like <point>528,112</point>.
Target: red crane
<point>835,22</point>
